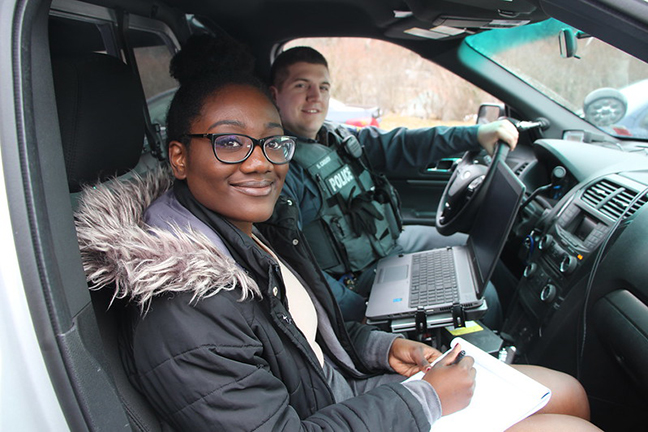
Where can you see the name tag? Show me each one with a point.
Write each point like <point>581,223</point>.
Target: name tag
<point>323,162</point>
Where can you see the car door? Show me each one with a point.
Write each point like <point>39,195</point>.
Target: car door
<point>420,191</point>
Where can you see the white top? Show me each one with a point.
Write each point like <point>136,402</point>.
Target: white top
<point>300,305</point>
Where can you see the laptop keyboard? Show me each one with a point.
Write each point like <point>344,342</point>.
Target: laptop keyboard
<point>434,278</point>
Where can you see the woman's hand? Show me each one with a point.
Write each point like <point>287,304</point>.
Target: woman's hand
<point>453,383</point>
<point>408,357</point>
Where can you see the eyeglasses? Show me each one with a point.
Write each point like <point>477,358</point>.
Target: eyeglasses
<point>235,148</point>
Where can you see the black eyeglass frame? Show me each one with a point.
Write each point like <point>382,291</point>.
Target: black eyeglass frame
<point>255,142</point>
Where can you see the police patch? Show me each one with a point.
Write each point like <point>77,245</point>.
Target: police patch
<point>339,179</point>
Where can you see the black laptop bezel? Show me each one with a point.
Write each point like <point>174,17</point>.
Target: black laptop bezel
<point>482,276</point>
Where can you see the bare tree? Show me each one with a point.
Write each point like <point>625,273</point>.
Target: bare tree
<point>376,73</point>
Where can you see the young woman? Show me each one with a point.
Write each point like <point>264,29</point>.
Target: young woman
<point>228,329</point>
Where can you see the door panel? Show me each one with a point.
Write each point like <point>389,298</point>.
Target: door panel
<point>421,193</point>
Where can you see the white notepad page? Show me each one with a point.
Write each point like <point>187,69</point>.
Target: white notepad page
<point>503,396</point>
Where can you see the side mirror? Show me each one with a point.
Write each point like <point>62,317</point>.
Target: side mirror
<point>489,112</point>
<point>567,42</point>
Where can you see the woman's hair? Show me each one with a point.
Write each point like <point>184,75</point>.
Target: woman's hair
<point>206,65</point>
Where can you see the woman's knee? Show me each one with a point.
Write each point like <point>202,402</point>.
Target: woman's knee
<point>567,394</point>
<point>553,423</point>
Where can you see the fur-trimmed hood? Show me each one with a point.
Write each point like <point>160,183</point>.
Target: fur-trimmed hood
<point>118,247</point>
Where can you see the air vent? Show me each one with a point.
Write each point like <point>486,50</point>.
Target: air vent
<point>521,168</point>
<point>612,199</point>
<point>619,202</point>
<point>599,192</point>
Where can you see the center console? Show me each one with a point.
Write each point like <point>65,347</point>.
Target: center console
<point>562,251</point>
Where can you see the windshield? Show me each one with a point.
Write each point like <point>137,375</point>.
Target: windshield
<point>596,81</point>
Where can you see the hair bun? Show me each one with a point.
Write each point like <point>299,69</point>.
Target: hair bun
<point>204,54</point>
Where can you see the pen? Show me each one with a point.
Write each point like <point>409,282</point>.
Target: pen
<point>461,355</point>
<point>425,365</point>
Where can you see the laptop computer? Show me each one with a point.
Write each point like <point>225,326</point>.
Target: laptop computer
<point>399,286</point>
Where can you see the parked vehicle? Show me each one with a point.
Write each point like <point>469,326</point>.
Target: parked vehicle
<point>352,114</point>
<point>622,112</point>
<point>572,279</point>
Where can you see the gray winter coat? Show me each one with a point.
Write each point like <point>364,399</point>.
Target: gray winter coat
<point>210,341</point>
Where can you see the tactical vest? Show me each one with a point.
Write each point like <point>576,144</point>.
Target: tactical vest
<point>359,221</point>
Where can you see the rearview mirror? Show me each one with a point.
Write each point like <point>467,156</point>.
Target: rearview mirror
<point>568,43</point>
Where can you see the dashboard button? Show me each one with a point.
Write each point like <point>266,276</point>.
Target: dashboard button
<point>548,293</point>
<point>530,270</point>
<point>568,264</point>
<point>545,242</point>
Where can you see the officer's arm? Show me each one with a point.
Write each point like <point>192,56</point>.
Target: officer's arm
<point>401,150</point>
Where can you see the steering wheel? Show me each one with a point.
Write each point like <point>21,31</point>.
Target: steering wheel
<point>465,191</point>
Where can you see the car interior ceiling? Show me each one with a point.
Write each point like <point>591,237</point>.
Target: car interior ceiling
<point>107,90</point>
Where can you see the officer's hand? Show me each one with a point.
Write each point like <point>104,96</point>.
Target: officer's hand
<point>499,130</point>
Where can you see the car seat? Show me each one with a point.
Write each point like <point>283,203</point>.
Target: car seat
<point>100,102</point>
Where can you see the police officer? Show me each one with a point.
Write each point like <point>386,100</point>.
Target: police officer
<point>348,210</point>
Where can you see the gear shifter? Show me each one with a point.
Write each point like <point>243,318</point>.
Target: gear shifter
<point>557,175</point>
<point>541,123</point>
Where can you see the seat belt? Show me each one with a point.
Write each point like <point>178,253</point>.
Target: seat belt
<point>152,131</point>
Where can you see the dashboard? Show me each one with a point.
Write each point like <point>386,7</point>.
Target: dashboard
<point>581,300</point>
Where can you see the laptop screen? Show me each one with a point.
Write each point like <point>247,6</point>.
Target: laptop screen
<point>493,223</point>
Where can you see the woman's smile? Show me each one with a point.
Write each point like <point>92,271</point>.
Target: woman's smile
<point>258,188</point>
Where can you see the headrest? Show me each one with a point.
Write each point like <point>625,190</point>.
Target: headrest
<point>100,103</point>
